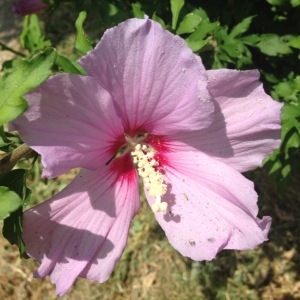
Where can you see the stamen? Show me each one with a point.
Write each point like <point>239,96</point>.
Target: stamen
<point>143,158</point>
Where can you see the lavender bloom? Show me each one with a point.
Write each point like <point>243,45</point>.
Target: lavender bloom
<point>147,108</point>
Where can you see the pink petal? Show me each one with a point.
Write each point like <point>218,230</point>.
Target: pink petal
<point>246,126</point>
<point>71,122</point>
<point>210,207</point>
<point>83,230</point>
<point>154,78</point>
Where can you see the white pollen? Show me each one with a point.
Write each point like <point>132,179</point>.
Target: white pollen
<point>143,158</point>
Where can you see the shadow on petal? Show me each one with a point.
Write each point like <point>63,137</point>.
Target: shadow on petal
<point>71,122</point>
<point>83,230</point>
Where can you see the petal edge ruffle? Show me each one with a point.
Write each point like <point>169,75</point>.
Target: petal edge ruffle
<point>211,207</point>
<point>156,85</point>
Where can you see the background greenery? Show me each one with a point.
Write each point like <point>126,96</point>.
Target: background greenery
<point>262,34</point>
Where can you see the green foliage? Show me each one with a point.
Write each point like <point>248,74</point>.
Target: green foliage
<point>68,65</point>
<point>9,202</point>
<point>294,42</point>
<point>283,161</point>
<point>15,186</point>
<point>241,27</point>
<point>200,28</point>
<point>32,37</point>
<point>176,6</point>
<point>159,20</point>
<point>27,76</point>
<point>188,24</point>
<point>276,2</point>
<point>82,44</point>
<point>230,48</point>
<point>294,3</point>
<point>272,44</point>
<point>137,10</point>
<point>4,141</point>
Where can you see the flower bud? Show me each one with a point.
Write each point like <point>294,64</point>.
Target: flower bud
<point>27,7</point>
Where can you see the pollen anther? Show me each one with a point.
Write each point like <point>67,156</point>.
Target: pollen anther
<point>143,158</point>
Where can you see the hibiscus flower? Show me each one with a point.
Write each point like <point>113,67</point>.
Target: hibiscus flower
<point>147,109</point>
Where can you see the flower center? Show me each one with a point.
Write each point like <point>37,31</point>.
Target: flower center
<point>147,167</point>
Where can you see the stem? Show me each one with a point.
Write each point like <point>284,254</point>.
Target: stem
<point>10,159</point>
<point>4,47</point>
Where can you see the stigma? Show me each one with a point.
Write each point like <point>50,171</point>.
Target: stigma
<point>147,167</point>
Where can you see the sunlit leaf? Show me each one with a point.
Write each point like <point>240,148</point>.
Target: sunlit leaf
<point>251,39</point>
<point>295,3</point>
<point>9,202</point>
<point>137,10</point>
<point>189,23</point>
<point>4,141</point>
<point>205,27</point>
<point>276,2</point>
<point>82,44</point>
<point>241,28</point>
<point>201,13</point>
<point>286,170</point>
<point>32,37</point>
<point>159,20</point>
<point>271,44</point>
<point>69,66</point>
<point>176,6</point>
<point>26,77</point>
<point>197,39</point>
<point>295,42</point>
<point>289,112</point>
<point>12,228</point>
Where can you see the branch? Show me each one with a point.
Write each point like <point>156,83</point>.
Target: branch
<point>4,47</point>
<point>10,159</point>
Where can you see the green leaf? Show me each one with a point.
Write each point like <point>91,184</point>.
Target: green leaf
<point>293,141</point>
<point>189,23</point>
<point>12,231</point>
<point>295,3</point>
<point>82,44</point>
<point>240,28</point>
<point>272,162</point>
<point>198,38</point>
<point>32,37</point>
<point>4,141</point>
<point>276,2</point>
<point>137,11</point>
<point>15,180</point>
<point>159,20</point>
<point>196,45</point>
<point>201,13</point>
<point>294,42</point>
<point>289,112</point>
<point>204,28</point>
<point>9,202</point>
<point>251,39</point>
<point>26,77</point>
<point>69,66</point>
<point>112,10</point>
<point>238,51</point>
<point>286,170</point>
<point>271,44</point>
<point>176,6</point>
